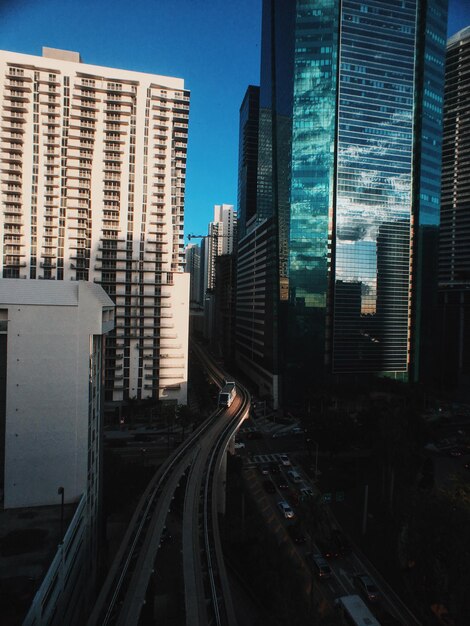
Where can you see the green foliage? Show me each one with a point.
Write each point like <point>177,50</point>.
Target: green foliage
<point>123,483</point>
<point>436,545</point>
<point>333,429</point>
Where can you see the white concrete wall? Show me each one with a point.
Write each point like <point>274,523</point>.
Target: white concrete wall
<point>47,408</point>
<point>174,349</point>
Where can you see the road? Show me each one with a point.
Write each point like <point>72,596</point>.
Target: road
<point>264,454</point>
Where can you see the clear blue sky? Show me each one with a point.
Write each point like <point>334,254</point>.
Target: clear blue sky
<point>213,44</point>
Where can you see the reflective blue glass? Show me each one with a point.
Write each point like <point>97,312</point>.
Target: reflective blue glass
<point>374,175</point>
<point>365,181</point>
<point>349,159</point>
<point>312,184</point>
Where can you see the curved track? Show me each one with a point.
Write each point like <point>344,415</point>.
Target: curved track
<point>207,594</point>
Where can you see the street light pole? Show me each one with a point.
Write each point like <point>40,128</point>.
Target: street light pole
<point>60,492</point>
<point>316,460</point>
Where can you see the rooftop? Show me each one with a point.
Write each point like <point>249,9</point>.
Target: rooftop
<point>69,61</point>
<point>462,35</point>
<point>49,292</point>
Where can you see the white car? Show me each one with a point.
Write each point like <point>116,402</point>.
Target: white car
<point>294,476</point>
<point>285,509</point>
<point>284,460</point>
<point>239,445</point>
<point>368,588</point>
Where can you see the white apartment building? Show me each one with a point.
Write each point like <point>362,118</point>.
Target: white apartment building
<point>92,178</point>
<point>193,268</point>
<point>221,238</point>
<point>51,357</point>
<point>225,217</point>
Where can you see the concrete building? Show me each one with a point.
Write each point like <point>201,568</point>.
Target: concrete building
<point>454,244</point>
<point>225,219</point>
<point>221,239</point>
<point>51,359</point>
<point>52,343</point>
<point>193,268</point>
<point>225,295</point>
<point>93,163</point>
<point>256,298</point>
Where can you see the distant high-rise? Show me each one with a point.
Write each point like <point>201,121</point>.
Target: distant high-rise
<point>454,258</point>
<point>454,246</point>
<point>248,158</point>
<point>221,239</point>
<point>349,160</point>
<point>193,268</point>
<point>93,164</point>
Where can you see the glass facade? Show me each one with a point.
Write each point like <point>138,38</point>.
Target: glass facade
<point>427,184</point>
<point>312,190</point>
<point>247,158</point>
<point>367,100</point>
<point>274,152</point>
<point>373,205</point>
<point>349,169</point>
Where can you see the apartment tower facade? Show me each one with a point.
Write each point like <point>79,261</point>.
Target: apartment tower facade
<point>93,176</point>
<point>454,244</point>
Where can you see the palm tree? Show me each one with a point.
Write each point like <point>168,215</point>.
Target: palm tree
<point>185,417</point>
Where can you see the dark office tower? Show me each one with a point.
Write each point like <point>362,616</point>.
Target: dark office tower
<point>255,340</point>
<point>193,268</point>
<point>454,252</point>
<point>224,322</point>
<point>248,158</point>
<point>349,155</point>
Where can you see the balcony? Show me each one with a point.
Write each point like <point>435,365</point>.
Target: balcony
<point>47,265</point>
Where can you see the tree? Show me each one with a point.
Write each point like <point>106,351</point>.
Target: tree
<point>185,417</point>
<point>168,413</point>
<point>436,547</point>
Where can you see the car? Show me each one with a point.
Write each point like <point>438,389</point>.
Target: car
<point>305,491</point>
<point>320,566</point>
<point>296,534</point>
<point>281,433</point>
<point>269,486</point>
<point>297,431</point>
<point>286,509</point>
<point>328,548</point>
<point>294,476</point>
<point>239,445</point>
<point>274,468</point>
<point>282,484</point>
<point>367,587</point>
<point>264,469</point>
<point>284,460</point>
<point>457,452</point>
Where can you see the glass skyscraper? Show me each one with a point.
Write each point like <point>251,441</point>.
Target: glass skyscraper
<point>349,161</point>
